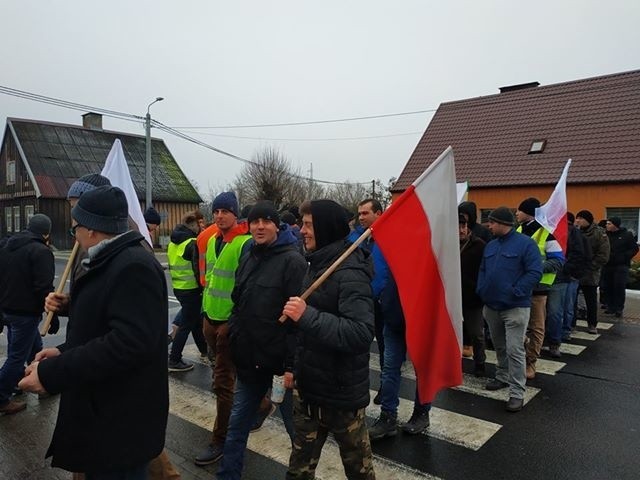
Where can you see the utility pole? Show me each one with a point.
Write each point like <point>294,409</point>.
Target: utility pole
<point>373,188</point>
<point>147,127</point>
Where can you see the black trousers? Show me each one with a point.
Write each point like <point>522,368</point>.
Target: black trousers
<point>379,331</point>
<point>591,300</point>
<point>191,304</point>
<point>615,283</point>
<point>473,332</point>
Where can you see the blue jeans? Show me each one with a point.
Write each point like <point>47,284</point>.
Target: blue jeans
<point>246,400</point>
<point>395,353</point>
<point>570,298</point>
<point>22,336</point>
<point>555,312</point>
<point>134,473</point>
<point>508,329</point>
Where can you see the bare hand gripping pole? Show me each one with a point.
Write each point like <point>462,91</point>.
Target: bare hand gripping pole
<point>60,289</point>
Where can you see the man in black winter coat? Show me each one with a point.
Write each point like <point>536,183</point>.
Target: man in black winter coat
<point>112,369</point>
<point>26,277</point>
<point>261,346</point>
<point>616,272</point>
<point>332,362</point>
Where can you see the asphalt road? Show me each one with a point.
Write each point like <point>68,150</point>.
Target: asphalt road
<point>581,421</point>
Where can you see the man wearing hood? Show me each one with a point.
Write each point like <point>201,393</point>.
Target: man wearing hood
<point>335,328</point>
<point>182,255</point>
<point>261,346</point>
<point>26,277</point>
<point>469,210</point>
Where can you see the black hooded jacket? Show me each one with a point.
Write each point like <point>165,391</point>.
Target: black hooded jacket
<point>336,331</point>
<point>478,230</point>
<point>27,269</point>
<point>265,279</point>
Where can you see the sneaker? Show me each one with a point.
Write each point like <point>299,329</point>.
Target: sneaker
<point>209,455</point>
<point>592,330</point>
<point>495,384</point>
<point>467,351</point>
<point>514,404</point>
<point>418,423</point>
<point>13,406</point>
<point>531,371</point>
<point>377,400</point>
<point>554,351</point>
<point>262,416</point>
<point>566,338</point>
<point>385,426</point>
<point>180,366</point>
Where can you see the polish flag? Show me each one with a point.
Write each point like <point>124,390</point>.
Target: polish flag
<point>418,236</point>
<point>117,171</point>
<point>553,214</point>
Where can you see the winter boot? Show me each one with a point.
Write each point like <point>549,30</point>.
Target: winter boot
<point>385,426</point>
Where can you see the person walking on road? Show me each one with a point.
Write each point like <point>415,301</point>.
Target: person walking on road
<point>511,267</point>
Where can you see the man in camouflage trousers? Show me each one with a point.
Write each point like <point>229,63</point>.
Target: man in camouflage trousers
<point>332,360</point>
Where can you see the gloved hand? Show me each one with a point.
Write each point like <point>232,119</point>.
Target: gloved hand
<point>55,325</point>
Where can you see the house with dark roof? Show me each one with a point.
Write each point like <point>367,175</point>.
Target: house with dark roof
<point>514,145</point>
<point>40,160</point>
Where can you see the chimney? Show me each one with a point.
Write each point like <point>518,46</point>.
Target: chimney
<point>92,121</point>
<point>521,86</point>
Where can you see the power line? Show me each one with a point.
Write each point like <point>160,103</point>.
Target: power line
<point>330,139</point>
<point>313,122</point>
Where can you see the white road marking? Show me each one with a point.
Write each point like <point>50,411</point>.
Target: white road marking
<point>584,336</point>
<point>601,325</point>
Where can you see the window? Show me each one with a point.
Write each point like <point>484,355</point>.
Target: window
<point>8,215</point>
<point>630,217</point>
<point>16,219</point>
<point>28,212</point>
<point>11,173</point>
<point>537,146</point>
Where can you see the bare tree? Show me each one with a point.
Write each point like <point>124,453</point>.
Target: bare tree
<point>348,194</point>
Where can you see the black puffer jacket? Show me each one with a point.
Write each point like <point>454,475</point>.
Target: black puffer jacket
<point>623,247</point>
<point>27,269</point>
<point>265,279</point>
<point>336,331</point>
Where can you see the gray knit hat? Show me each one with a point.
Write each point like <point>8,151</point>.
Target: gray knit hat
<point>39,224</point>
<point>103,209</point>
<point>86,183</point>
<point>502,215</point>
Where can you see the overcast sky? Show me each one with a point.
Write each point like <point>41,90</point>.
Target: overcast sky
<point>220,63</point>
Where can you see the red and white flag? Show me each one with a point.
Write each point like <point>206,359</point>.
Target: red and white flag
<point>553,214</point>
<point>117,171</point>
<point>418,236</point>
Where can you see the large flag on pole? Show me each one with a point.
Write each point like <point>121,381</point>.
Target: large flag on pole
<point>117,171</point>
<point>418,236</point>
<point>553,214</point>
<point>462,189</point>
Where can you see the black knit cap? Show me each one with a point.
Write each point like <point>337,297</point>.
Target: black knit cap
<point>104,209</point>
<point>617,221</point>
<point>151,216</point>
<point>529,206</point>
<point>39,224</point>
<point>329,222</point>
<point>86,183</point>
<point>502,215</point>
<point>288,218</point>
<point>585,214</point>
<point>266,210</point>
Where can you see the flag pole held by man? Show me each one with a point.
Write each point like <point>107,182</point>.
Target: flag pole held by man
<point>427,272</point>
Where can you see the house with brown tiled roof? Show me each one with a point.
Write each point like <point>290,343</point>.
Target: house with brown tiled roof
<point>514,145</point>
<point>40,160</point>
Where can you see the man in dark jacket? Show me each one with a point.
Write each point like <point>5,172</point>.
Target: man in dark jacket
<point>599,246</point>
<point>112,369</point>
<point>182,256</point>
<point>616,271</point>
<point>261,346</point>
<point>335,334</point>
<point>470,211</point>
<point>26,278</point>
<point>471,251</point>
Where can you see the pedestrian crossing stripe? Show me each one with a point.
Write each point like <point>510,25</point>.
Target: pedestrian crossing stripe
<point>585,336</point>
<point>601,325</point>
<point>198,407</point>
<point>471,384</point>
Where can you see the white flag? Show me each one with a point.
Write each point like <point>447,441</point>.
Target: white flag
<point>117,171</point>
<point>553,214</point>
<point>461,191</point>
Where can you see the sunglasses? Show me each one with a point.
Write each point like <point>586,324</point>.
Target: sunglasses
<point>72,230</point>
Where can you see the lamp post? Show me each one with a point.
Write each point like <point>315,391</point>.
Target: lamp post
<point>147,125</point>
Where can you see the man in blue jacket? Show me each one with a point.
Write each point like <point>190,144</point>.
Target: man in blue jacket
<point>511,267</point>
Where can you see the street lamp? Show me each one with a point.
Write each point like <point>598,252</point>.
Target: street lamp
<point>147,126</point>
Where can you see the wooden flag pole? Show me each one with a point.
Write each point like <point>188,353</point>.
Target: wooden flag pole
<point>332,268</point>
<point>60,289</point>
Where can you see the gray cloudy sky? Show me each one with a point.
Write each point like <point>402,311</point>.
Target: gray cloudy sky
<point>254,62</point>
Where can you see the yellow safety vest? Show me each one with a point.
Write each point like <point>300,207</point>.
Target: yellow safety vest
<point>221,277</point>
<point>182,276</point>
<point>540,237</point>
